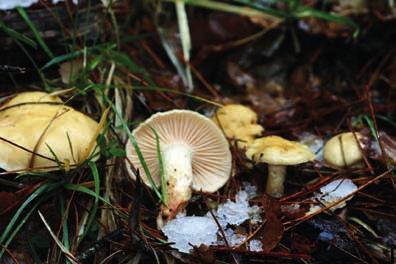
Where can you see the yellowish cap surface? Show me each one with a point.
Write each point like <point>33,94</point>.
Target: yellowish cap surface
<point>40,123</point>
<point>343,150</point>
<point>276,150</point>
<point>238,122</point>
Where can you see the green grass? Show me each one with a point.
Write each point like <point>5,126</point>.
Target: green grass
<point>18,220</point>
<point>36,34</point>
<point>164,191</point>
<point>137,150</point>
<point>17,36</point>
<point>296,10</point>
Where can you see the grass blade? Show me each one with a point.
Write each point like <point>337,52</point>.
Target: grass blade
<point>304,11</point>
<point>171,54</point>
<point>67,253</point>
<point>224,7</point>
<point>94,209</point>
<point>62,58</point>
<point>64,217</point>
<point>164,191</point>
<point>17,36</point>
<point>371,125</point>
<point>18,227</point>
<point>6,236</point>
<point>137,149</point>
<point>185,41</point>
<point>83,189</point>
<point>36,34</point>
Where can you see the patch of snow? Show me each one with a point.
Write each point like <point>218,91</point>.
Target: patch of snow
<point>291,208</point>
<point>197,230</point>
<point>194,230</point>
<point>255,245</point>
<point>234,213</point>
<point>333,192</point>
<point>314,142</point>
<point>233,238</point>
<point>250,189</point>
<point>255,214</point>
<point>11,4</point>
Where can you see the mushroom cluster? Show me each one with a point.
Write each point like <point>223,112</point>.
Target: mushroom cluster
<point>195,156</point>
<point>37,131</point>
<point>239,124</point>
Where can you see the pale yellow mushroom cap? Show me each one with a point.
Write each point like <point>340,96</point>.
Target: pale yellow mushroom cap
<point>238,122</point>
<point>236,115</point>
<point>276,150</point>
<point>39,122</point>
<point>31,97</point>
<point>343,150</point>
<point>211,157</point>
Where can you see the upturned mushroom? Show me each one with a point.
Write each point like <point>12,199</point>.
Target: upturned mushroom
<point>36,130</point>
<point>195,156</point>
<point>343,149</point>
<point>278,153</point>
<point>239,123</point>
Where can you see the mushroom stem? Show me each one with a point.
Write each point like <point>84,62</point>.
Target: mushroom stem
<point>178,174</point>
<point>275,180</point>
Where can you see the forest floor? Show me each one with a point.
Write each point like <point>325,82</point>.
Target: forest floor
<point>309,70</point>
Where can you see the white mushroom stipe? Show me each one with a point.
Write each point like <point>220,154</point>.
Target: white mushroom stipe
<point>178,170</point>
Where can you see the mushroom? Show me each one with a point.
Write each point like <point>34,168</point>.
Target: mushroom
<point>278,153</point>
<point>343,149</point>
<point>195,156</point>
<point>36,129</point>
<point>238,122</point>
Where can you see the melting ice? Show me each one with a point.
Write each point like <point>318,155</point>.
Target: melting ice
<point>333,192</point>
<point>197,230</point>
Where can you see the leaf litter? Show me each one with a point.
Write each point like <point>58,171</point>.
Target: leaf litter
<point>308,79</point>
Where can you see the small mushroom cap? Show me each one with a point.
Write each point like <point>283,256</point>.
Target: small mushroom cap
<point>276,150</point>
<point>238,122</point>
<point>236,115</point>
<point>211,157</point>
<point>343,149</point>
<point>39,128</point>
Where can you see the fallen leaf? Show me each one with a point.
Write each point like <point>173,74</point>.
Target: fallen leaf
<point>204,254</point>
<point>272,232</point>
